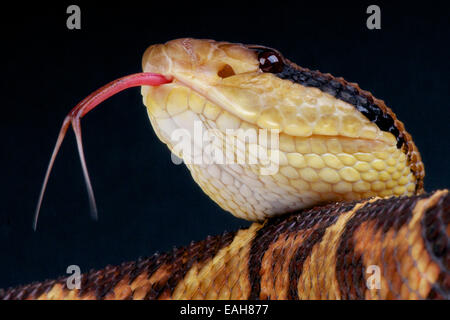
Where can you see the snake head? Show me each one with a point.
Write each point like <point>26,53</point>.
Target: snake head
<point>333,141</point>
<point>261,135</point>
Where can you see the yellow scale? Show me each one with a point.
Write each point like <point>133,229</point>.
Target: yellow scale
<point>327,151</point>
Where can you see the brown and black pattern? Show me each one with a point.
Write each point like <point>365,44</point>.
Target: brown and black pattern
<point>320,253</point>
<point>372,108</point>
<point>386,215</point>
<point>436,233</point>
<point>148,278</point>
<point>310,224</point>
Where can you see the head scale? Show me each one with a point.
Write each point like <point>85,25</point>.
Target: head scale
<point>336,141</point>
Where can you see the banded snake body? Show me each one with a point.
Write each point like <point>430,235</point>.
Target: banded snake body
<point>338,147</point>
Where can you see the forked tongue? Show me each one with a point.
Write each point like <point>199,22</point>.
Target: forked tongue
<point>74,116</point>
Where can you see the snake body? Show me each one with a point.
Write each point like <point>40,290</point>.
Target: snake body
<point>328,252</point>
<point>335,143</point>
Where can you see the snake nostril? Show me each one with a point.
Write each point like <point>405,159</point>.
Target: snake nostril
<point>226,71</point>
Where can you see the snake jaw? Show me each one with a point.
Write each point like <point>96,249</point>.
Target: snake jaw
<point>327,149</point>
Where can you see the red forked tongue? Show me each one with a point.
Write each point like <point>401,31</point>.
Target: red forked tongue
<point>74,116</point>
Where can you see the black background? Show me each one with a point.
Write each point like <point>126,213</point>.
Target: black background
<point>146,203</point>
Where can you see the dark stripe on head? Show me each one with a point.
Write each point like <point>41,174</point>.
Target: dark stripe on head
<point>347,92</point>
<point>272,61</point>
<point>318,218</point>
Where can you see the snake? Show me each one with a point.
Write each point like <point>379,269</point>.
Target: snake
<point>327,173</point>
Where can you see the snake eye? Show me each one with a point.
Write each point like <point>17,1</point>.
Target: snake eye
<point>270,61</point>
